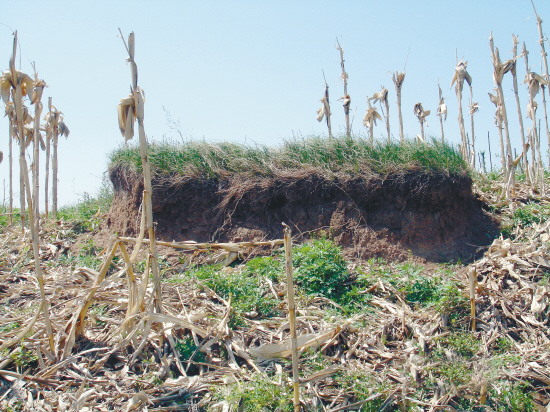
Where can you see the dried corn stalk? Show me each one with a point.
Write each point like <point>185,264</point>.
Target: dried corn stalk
<point>55,126</point>
<point>346,100</point>
<point>382,97</point>
<point>131,109</point>
<point>324,111</point>
<point>441,111</point>
<point>37,142</point>
<point>292,317</point>
<point>461,74</point>
<point>10,112</point>
<point>534,81</point>
<point>547,77</point>
<point>369,120</point>
<point>19,86</point>
<point>51,120</point>
<point>524,145</point>
<point>499,70</point>
<point>495,99</point>
<point>421,115</point>
<point>14,86</point>
<point>473,107</point>
<point>398,79</point>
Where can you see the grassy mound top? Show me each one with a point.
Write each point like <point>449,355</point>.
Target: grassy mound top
<point>341,154</point>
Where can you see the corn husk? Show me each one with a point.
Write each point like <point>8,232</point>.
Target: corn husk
<point>534,81</point>
<point>128,111</point>
<point>8,81</point>
<point>532,109</point>
<point>346,102</point>
<point>369,120</point>
<point>420,113</point>
<point>461,74</point>
<point>321,113</point>
<point>380,96</point>
<point>63,129</point>
<point>442,108</point>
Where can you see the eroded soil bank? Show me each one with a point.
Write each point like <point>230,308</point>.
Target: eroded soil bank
<point>432,215</point>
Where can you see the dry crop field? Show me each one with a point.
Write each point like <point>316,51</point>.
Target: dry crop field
<point>379,322</point>
<point>330,273</point>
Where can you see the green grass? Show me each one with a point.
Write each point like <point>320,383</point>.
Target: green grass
<point>529,214</point>
<point>259,394</point>
<point>248,292</point>
<point>84,213</point>
<point>340,154</point>
<point>186,348</point>
<point>362,385</point>
<point>511,397</point>
<point>4,218</point>
<point>8,327</point>
<point>419,289</point>
<point>319,270</point>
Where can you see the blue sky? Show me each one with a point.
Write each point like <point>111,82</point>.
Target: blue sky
<point>252,70</point>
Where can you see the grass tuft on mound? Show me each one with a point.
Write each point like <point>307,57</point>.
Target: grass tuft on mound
<point>340,154</point>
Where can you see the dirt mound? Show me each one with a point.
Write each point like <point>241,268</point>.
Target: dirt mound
<point>432,215</point>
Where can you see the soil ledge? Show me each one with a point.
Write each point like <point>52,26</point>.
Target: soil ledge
<point>432,215</point>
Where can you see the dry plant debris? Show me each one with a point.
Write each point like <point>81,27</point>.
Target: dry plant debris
<point>401,340</point>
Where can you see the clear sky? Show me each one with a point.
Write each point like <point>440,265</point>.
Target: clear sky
<point>251,71</point>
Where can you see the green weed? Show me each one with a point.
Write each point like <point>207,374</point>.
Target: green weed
<point>463,344</point>
<point>87,257</point>
<point>259,394</point>
<point>248,292</point>
<point>455,372</point>
<point>418,288</point>
<point>186,348</point>
<point>23,358</point>
<point>363,385</point>
<point>4,217</point>
<point>8,327</point>
<point>511,397</point>
<point>526,215</point>
<point>321,269</point>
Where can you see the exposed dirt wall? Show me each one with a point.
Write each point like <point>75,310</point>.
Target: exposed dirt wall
<point>432,215</point>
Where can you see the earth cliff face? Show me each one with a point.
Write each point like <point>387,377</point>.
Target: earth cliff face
<point>431,215</point>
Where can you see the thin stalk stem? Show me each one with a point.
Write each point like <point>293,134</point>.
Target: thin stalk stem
<point>292,316</point>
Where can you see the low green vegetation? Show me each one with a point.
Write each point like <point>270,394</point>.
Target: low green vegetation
<point>86,212</point>
<point>248,293</point>
<point>8,327</point>
<point>529,214</point>
<point>319,271</point>
<point>4,216</point>
<point>340,154</point>
<point>23,358</point>
<point>420,289</point>
<point>364,385</point>
<point>87,257</point>
<point>187,350</point>
<point>261,393</point>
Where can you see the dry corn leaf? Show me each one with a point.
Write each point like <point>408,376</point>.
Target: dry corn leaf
<point>282,350</point>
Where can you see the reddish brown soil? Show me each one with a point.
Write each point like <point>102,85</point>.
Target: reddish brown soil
<point>433,216</point>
